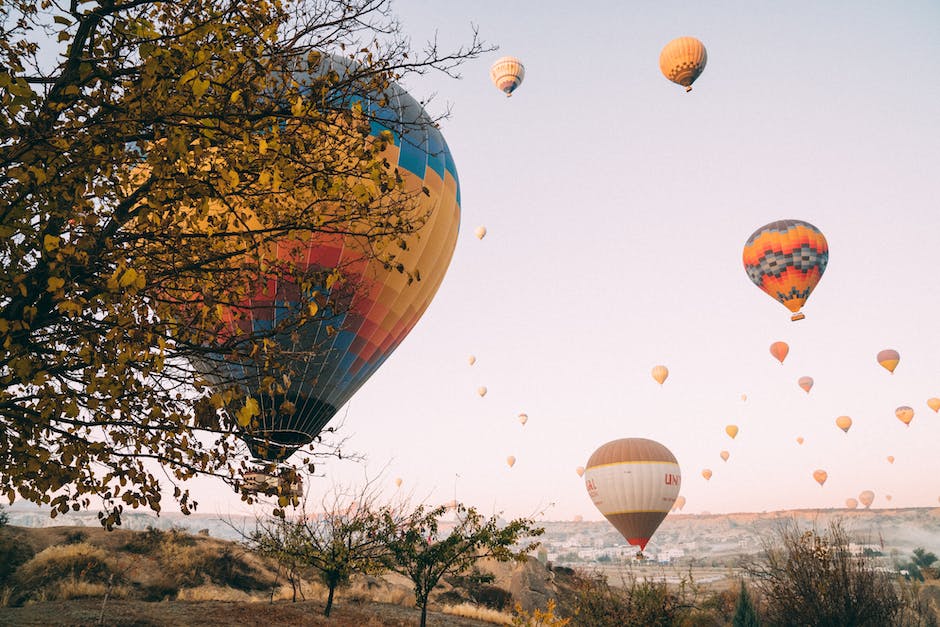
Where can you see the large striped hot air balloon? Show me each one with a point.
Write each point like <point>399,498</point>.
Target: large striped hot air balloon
<point>682,61</point>
<point>507,74</point>
<point>634,483</point>
<point>366,305</point>
<point>786,259</point>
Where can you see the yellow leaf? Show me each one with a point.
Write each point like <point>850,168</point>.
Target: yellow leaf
<point>313,308</point>
<point>262,146</point>
<point>235,96</point>
<point>199,87</point>
<point>188,76</point>
<point>50,242</point>
<point>246,413</point>
<point>55,283</point>
<point>128,278</point>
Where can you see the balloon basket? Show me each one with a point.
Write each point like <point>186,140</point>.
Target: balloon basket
<point>797,316</point>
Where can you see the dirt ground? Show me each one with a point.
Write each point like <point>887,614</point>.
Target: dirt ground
<point>212,613</point>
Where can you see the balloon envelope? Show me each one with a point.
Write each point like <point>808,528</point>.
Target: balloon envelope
<point>471,360</point>
<point>523,418</point>
<point>398,483</point>
<point>890,459</point>
<point>934,403</point>
<point>507,74</point>
<point>889,359</point>
<point>682,61</point>
<point>732,431</point>
<point>680,503</point>
<point>480,232</point>
<point>779,350</point>
<point>851,503</point>
<point>724,455</point>
<point>634,482</point>
<point>580,471</point>
<point>786,259</point>
<point>806,383</point>
<point>481,391</point>
<point>799,440</point>
<point>844,423</point>
<point>707,473</point>
<point>511,460</point>
<point>820,476</point>
<point>660,373</point>
<point>905,414</point>
<point>866,498</point>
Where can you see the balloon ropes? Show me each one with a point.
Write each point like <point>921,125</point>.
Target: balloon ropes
<point>356,297</point>
<point>786,259</point>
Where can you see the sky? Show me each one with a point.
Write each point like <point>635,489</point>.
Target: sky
<point>617,207</point>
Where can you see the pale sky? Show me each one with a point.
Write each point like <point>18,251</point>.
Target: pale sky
<point>617,207</point>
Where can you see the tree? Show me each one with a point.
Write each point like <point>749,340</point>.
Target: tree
<point>813,578</point>
<point>420,552</point>
<point>345,537</point>
<point>744,613</point>
<point>924,560</point>
<point>150,156</point>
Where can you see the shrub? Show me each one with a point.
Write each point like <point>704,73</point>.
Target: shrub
<point>42,575</point>
<point>639,602</point>
<point>13,554</point>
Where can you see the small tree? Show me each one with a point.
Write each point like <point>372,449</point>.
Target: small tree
<point>744,613</point>
<point>419,553</point>
<point>924,561</point>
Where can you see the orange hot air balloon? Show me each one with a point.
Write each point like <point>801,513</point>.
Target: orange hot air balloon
<point>890,459</point>
<point>889,359</point>
<point>779,350</point>
<point>398,483</point>
<point>580,471</point>
<point>799,440</point>
<point>934,403</point>
<point>744,397</point>
<point>806,383</point>
<point>682,61</point>
<point>724,455</point>
<point>471,360</point>
<point>866,498</point>
<point>851,503</point>
<point>481,391</point>
<point>707,473</point>
<point>660,373</point>
<point>523,418</point>
<point>844,423</point>
<point>820,476</point>
<point>680,503</point>
<point>888,496</point>
<point>511,460</point>
<point>578,518</point>
<point>905,414</point>
<point>732,431</point>
<point>786,259</point>
<point>634,482</point>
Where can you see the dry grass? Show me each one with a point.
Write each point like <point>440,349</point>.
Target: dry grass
<point>469,610</point>
<point>70,569</point>
<point>361,591</point>
<point>77,589</point>
<point>212,592</point>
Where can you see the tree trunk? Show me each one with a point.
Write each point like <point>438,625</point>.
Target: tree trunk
<point>424,614</point>
<point>329,601</point>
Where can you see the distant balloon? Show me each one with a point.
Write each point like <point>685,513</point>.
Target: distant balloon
<point>511,460</point>
<point>398,482</point>
<point>866,498</point>
<point>682,61</point>
<point>634,482</point>
<point>889,359</point>
<point>905,414</point>
<point>707,473</point>
<point>806,383</point>
<point>481,391</point>
<point>890,459</point>
<point>799,440</point>
<point>480,232</point>
<point>779,350</point>
<point>724,455</point>
<point>820,476</point>
<point>523,418</point>
<point>786,259</point>
<point>888,496</point>
<point>851,503</point>
<point>934,403</point>
<point>744,397</point>
<point>732,431</point>
<point>660,373</point>
<point>680,503</point>
<point>580,471</point>
<point>471,360</point>
<point>507,74</point>
<point>844,423</point>
<point>578,518</point>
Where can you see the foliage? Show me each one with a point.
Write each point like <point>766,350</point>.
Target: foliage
<point>151,154</point>
<point>420,552</point>
<point>813,578</point>
<point>745,615</point>
<point>637,602</point>
<point>538,618</point>
<point>13,553</point>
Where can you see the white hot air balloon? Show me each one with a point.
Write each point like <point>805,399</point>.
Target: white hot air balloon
<point>507,74</point>
<point>471,359</point>
<point>523,418</point>
<point>481,391</point>
<point>480,232</point>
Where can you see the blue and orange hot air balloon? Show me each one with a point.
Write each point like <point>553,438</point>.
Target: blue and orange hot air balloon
<point>369,305</point>
<point>786,259</point>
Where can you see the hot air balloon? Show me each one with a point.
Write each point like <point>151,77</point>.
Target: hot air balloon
<point>779,350</point>
<point>889,359</point>
<point>481,391</point>
<point>480,232</point>
<point>786,259</point>
<point>806,383</point>
<point>866,498</point>
<point>707,473</point>
<point>724,455</point>
<point>523,418</point>
<point>905,414</point>
<point>851,503</point>
<point>888,496</point>
<point>844,423</point>
<point>732,431</point>
<point>511,460</point>
<point>633,482</point>
<point>680,503</point>
<point>820,476</point>
<point>398,482</point>
<point>890,459</point>
<point>660,373</point>
<point>580,471</point>
<point>578,518</point>
<point>366,312</point>
<point>744,397</point>
<point>799,440</point>
<point>471,360</point>
<point>934,404</point>
<point>682,61</point>
<point>507,74</point>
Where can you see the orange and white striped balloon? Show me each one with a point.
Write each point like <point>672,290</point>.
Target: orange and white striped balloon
<point>507,74</point>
